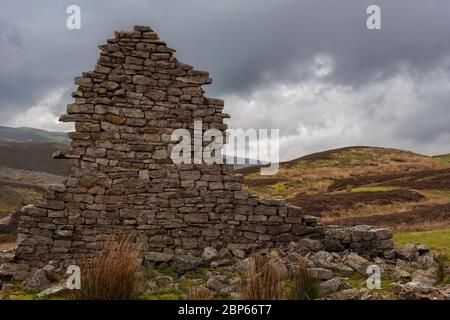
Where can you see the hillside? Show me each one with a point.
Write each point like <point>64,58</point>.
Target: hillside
<point>24,134</point>
<point>27,167</point>
<point>363,185</point>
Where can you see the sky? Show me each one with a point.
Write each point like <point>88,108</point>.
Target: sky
<point>310,68</point>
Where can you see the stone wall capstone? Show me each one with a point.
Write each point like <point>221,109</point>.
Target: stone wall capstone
<point>122,178</point>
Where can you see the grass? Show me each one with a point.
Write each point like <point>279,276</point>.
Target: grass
<point>438,240</point>
<point>263,281</point>
<point>113,274</point>
<point>313,176</point>
<point>374,189</point>
<point>14,198</point>
<point>305,287</point>
<point>444,159</point>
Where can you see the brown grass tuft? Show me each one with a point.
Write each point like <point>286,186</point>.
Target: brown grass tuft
<point>305,287</point>
<point>113,274</point>
<point>264,280</point>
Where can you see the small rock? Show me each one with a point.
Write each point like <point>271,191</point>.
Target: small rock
<point>57,290</point>
<point>220,263</point>
<point>408,252</point>
<point>330,286</point>
<point>350,294</point>
<point>50,272</point>
<point>8,287</point>
<point>209,253</point>
<point>399,273</point>
<point>320,273</point>
<point>342,268</point>
<point>243,266</point>
<point>38,281</point>
<point>424,277</point>
<point>238,253</point>
<point>185,263</point>
<point>356,262</point>
<point>14,271</point>
<point>218,285</point>
<point>160,282</point>
<point>311,244</point>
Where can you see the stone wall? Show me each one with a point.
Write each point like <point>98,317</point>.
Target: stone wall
<point>123,180</point>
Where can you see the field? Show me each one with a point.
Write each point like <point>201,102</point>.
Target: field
<point>437,239</point>
<point>404,191</point>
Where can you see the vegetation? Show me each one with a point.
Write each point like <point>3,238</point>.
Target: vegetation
<point>440,271</point>
<point>444,159</point>
<point>264,280</point>
<point>198,293</point>
<point>438,240</point>
<point>305,287</point>
<point>113,274</point>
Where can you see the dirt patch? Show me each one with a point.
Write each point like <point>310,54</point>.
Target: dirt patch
<point>421,214</point>
<point>319,204</point>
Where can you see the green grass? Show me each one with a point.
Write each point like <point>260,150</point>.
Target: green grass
<point>438,240</point>
<point>374,189</point>
<point>58,137</point>
<point>444,159</point>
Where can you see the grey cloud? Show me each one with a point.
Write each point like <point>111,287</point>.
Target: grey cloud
<point>247,46</point>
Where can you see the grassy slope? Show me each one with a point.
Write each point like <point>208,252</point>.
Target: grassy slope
<point>312,174</point>
<point>444,159</point>
<point>25,134</point>
<point>439,240</point>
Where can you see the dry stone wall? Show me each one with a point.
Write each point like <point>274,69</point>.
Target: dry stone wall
<point>123,180</point>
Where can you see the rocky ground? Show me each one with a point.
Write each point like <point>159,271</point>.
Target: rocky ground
<point>410,272</point>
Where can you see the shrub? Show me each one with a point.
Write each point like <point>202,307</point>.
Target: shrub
<point>113,274</point>
<point>305,287</point>
<point>440,270</point>
<point>197,293</point>
<point>263,281</point>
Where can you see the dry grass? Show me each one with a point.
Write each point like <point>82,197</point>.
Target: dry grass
<point>305,287</point>
<point>441,266</point>
<point>198,293</point>
<point>113,274</point>
<point>308,175</point>
<point>424,225</point>
<point>264,280</point>
<point>362,210</point>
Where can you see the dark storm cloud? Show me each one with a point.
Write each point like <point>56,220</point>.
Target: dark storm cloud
<point>248,46</point>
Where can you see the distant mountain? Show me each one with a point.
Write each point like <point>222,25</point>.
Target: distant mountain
<point>24,134</point>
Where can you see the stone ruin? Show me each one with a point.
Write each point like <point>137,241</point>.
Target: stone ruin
<point>123,180</point>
